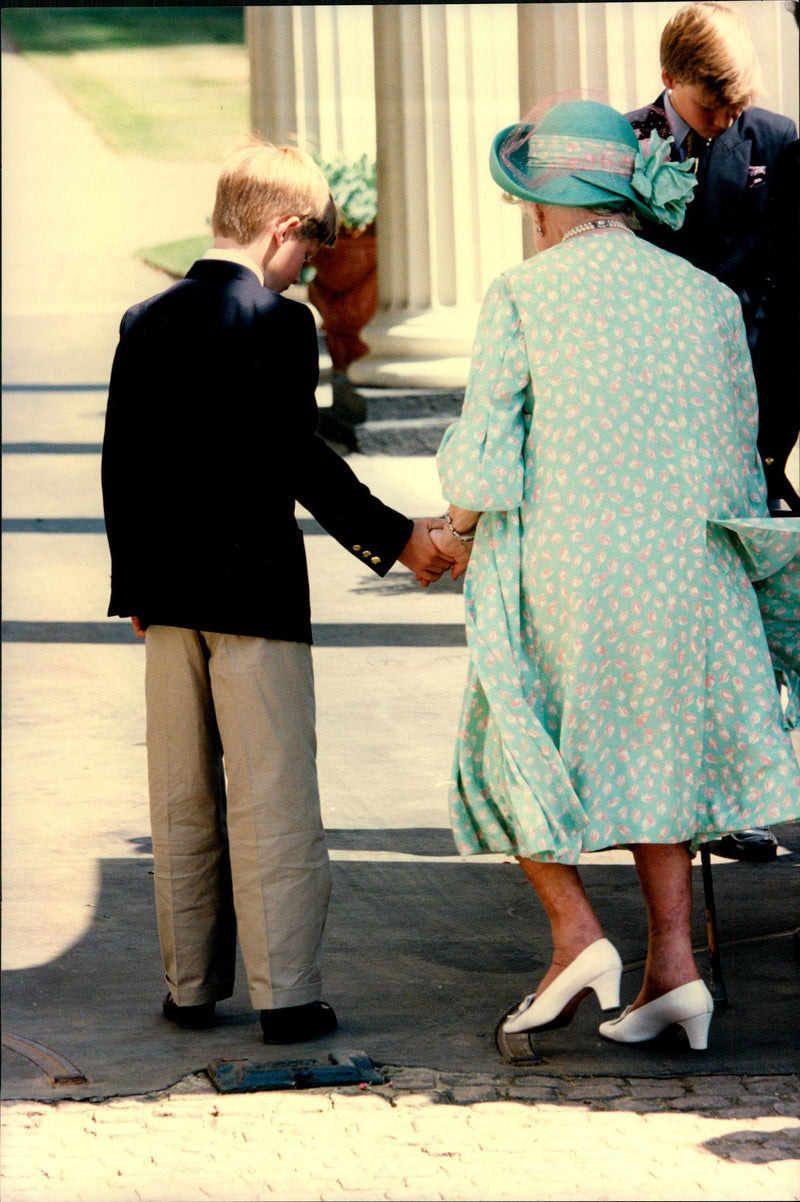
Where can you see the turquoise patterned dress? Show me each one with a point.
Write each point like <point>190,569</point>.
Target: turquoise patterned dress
<point>620,686</point>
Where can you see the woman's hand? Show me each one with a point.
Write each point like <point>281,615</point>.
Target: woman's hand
<point>453,548</point>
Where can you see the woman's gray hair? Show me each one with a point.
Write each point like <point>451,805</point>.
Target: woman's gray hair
<point>626,213</point>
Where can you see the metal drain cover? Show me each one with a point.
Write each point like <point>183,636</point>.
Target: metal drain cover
<point>246,1076</point>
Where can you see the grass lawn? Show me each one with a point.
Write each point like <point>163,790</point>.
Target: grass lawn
<point>66,30</point>
<point>163,82</point>
<point>175,258</point>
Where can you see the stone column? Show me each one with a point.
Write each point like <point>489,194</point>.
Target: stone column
<point>447,77</point>
<point>446,82</point>
<point>311,76</point>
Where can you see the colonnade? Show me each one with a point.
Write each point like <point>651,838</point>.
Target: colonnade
<point>426,87</point>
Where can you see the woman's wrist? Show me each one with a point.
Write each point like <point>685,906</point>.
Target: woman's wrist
<point>463,536</point>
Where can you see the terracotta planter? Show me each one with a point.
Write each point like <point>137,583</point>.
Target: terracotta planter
<point>345,291</point>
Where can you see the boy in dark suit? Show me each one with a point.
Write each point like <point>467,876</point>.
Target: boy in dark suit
<point>711,78</point>
<point>209,441</point>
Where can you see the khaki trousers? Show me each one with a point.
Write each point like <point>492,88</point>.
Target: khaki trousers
<point>234,802</point>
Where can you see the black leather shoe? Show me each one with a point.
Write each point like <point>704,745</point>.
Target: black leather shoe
<point>756,844</point>
<point>191,1018</point>
<point>297,1024</point>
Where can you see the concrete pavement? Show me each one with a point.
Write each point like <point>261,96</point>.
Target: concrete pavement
<point>423,950</point>
<point>658,1142</point>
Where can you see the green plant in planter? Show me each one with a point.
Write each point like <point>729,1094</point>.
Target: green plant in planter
<point>354,187</point>
<point>345,285</point>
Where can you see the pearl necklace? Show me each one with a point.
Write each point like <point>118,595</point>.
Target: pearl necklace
<point>602,223</point>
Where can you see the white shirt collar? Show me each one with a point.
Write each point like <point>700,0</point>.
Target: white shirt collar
<point>235,256</point>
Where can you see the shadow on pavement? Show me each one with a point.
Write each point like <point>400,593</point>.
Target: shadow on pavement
<point>421,959</point>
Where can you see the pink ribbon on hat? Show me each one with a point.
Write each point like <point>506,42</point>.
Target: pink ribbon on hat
<point>558,152</point>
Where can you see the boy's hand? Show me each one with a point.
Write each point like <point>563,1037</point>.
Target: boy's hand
<point>420,554</point>
<point>141,631</point>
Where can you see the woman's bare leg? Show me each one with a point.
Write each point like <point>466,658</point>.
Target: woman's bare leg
<point>665,877</point>
<point>573,922</point>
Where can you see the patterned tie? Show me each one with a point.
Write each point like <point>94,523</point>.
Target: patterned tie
<point>694,146</point>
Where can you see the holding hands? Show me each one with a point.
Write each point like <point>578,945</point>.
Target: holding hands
<point>455,538</point>
<point>421,555</point>
<point>439,544</point>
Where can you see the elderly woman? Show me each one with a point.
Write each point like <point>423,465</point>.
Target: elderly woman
<point>620,687</point>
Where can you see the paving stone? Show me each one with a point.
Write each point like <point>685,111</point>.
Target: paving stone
<point>656,1089</point>
<point>531,1092</point>
<point>624,1104</point>
<point>594,1089</point>
<point>723,1083</point>
<point>413,1078</point>
<point>538,1079</point>
<point>465,1095</point>
<point>451,1079</point>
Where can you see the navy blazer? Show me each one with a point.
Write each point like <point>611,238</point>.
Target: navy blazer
<point>726,230</point>
<point>737,229</point>
<point>209,441</point>
<point>777,358</point>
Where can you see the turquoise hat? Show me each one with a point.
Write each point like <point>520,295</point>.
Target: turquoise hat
<point>586,155</point>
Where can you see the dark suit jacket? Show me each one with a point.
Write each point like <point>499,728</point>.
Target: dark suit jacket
<point>209,440</point>
<point>726,228</point>
<point>730,231</point>
<point>777,358</point>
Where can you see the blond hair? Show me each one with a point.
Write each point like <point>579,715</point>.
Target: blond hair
<point>709,45</point>
<point>260,183</point>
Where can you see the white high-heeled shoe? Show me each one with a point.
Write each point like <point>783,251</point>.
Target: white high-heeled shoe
<point>689,1006</point>
<point>598,967</point>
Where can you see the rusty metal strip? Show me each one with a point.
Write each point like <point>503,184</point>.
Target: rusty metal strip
<point>60,1070</point>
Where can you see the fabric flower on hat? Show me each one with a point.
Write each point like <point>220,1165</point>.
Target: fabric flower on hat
<point>663,186</point>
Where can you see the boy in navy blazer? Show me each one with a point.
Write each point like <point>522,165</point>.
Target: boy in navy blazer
<point>711,77</point>
<point>209,441</point>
